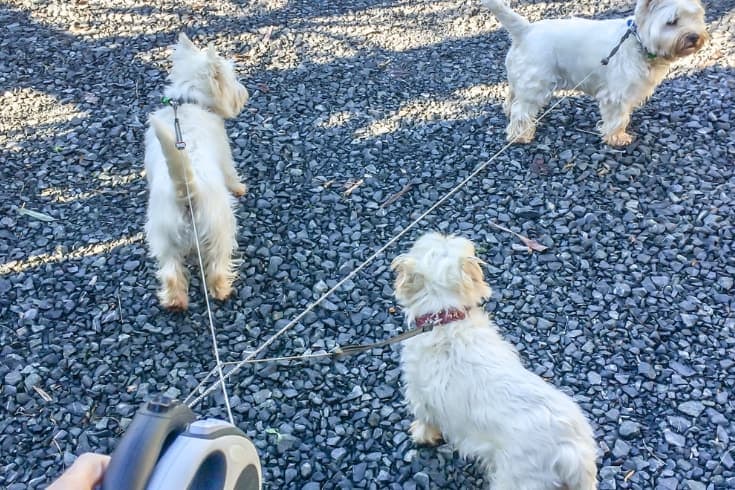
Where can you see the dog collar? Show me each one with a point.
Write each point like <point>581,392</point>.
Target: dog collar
<point>427,322</point>
<point>177,101</point>
<point>633,27</point>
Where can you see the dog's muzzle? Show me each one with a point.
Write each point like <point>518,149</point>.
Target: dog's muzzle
<point>690,43</point>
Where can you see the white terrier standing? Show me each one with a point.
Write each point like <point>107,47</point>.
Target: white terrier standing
<point>466,384</point>
<point>187,150</point>
<point>558,54</point>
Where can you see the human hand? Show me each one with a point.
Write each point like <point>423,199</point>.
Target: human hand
<point>84,474</point>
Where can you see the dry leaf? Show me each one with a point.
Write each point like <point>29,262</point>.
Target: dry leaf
<point>263,88</point>
<point>532,244</point>
<point>43,394</point>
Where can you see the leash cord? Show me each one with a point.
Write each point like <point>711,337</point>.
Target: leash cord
<point>218,368</point>
<point>371,258</point>
<point>614,51</point>
<point>632,30</point>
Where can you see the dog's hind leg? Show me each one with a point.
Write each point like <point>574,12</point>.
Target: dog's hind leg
<point>165,235</point>
<point>174,284</point>
<point>528,98</point>
<point>508,102</point>
<point>219,243</point>
<point>522,125</point>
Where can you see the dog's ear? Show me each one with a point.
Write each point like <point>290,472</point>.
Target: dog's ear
<point>646,5</point>
<point>408,281</point>
<point>217,65</point>
<point>229,94</point>
<point>186,43</point>
<point>472,280</point>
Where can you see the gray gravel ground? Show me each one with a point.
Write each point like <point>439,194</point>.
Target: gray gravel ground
<point>630,309</point>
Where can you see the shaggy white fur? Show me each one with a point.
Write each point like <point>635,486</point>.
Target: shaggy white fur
<point>207,90</point>
<point>558,54</point>
<point>465,383</point>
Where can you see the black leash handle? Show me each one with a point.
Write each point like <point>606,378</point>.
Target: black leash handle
<point>155,426</point>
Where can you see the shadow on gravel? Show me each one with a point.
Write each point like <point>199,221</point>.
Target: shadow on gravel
<point>377,123</point>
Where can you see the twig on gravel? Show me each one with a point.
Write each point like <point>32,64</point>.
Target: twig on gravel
<point>352,187</point>
<point>58,448</point>
<point>119,305</point>
<point>396,196</point>
<point>643,441</point>
<point>722,459</point>
<point>585,131</point>
<point>528,242</point>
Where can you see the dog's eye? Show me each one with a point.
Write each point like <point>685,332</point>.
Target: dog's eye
<point>672,22</point>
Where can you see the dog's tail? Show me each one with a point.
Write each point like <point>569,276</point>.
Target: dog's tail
<point>575,467</point>
<point>178,162</point>
<point>516,24</point>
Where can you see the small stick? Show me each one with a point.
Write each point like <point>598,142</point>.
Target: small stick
<point>352,188</point>
<point>585,131</point>
<point>119,305</point>
<point>528,242</point>
<point>396,196</point>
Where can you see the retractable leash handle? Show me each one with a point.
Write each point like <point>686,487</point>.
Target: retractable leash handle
<point>155,426</point>
<point>211,455</point>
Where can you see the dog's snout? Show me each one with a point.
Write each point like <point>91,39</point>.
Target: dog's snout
<point>692,38</point>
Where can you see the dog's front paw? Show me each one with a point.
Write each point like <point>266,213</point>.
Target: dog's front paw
<point>239,189</point>
<point>521,136</point>
<point>523,139</point>
<point>618,139</point>
<point>425,434</point>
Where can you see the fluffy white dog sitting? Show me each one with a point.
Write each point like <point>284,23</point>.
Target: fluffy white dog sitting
<point>558,54</point>
<point>186,144</point>
<point>466,384</point>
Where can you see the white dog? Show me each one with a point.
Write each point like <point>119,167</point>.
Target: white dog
<point>466,384</point>
<point>187,150</point>
<point>558,54</point>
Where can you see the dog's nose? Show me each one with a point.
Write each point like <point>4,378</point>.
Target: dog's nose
<point>692,38</point>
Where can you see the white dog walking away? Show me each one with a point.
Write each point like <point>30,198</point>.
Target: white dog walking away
<point>556,54</point>
<point>466,384</point>
<point>204,91</point>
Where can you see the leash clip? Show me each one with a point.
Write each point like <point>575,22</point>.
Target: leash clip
<point>180,143</point>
